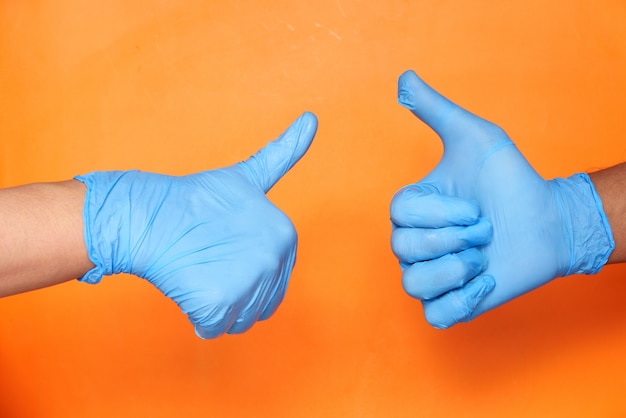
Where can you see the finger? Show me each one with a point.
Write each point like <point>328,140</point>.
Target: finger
<point>431,279</point>
<point>277,297</point>
<point>247,319</point>
<point>269,294</point>
<point>262,308</point>
<point>270,163</point>
<point>451,122</point>
<point>243,323</point>
<point>458,305</point>
<point>411,245</point>
<point>215,321</point>
<point>422,206</point>
<point>272,307</point>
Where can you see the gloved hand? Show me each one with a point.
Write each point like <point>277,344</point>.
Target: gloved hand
<point>483,227</point>
<point>210,241</point>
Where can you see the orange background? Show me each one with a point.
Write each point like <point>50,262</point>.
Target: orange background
<point>181,86</point>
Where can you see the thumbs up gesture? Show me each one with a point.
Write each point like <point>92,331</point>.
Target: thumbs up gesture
<point>210,241</point>
<point>483,227</point>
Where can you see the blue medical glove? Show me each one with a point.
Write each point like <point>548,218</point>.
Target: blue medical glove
<point>483,227</point>
<point>210,241</point>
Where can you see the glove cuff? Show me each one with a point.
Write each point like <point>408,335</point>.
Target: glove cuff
<point>591,237</point>
<point>102,211</point>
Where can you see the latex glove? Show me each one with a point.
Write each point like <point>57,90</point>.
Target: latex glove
<point>483,227</point>
<point>210,241</point>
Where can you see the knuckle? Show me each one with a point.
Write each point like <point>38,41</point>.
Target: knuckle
<point>472,262</point>
<point>274,243</point>
<point>399,201</point>
<point>284,229</point>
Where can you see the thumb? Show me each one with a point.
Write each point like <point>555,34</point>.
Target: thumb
<point>271,162</point>
<point>448,120</point>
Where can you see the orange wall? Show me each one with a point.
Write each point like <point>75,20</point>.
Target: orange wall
<point>181,86</point>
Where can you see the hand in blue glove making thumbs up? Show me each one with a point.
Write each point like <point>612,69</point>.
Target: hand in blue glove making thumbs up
<point>210,241</point>
<point>483,227</point>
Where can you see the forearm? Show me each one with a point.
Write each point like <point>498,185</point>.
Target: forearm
<point>610,184</point>
<point>41,236</point>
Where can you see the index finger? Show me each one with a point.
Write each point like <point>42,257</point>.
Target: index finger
<point>421,206</point>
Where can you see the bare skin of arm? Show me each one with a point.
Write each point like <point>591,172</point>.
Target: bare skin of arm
<point>42,241</point>
<point>610,184</point>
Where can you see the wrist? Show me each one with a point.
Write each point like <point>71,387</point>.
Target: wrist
<point>610,184</point>
<point>585,224</point>
<point>106,203</point>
